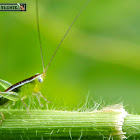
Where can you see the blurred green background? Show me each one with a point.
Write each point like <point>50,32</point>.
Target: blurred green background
<point>100,57</point>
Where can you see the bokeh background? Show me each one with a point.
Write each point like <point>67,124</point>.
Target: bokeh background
<point>100,57</point>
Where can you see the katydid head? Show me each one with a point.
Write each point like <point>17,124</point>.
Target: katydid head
<point>40,79</point>
<point>38,82</point>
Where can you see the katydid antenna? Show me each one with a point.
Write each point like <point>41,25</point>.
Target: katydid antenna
<point>45,70</point>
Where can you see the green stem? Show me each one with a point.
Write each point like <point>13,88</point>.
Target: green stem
<point>105,123</point>
<point>132,126</point>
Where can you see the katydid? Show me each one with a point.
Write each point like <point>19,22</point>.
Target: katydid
<point>20,90</point>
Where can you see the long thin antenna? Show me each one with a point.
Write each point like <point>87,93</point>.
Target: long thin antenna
<point>37,20</point>
<point>65,35</point>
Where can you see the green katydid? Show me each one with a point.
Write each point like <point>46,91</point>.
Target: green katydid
<point>20,90</point>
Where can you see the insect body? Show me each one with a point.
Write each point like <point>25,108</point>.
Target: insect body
<point>20,90</point>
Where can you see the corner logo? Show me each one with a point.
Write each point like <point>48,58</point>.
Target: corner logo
<point>12,6</point>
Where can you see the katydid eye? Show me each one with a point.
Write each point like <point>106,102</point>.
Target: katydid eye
<point>40,79</point>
